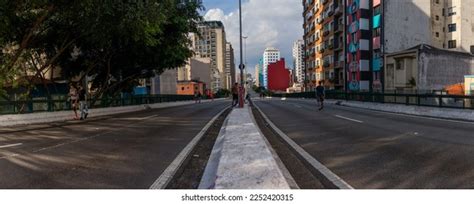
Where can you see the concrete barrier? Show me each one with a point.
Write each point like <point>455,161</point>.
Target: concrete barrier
<point>241,159</point>
<point>443,113</point>
<point>60,116</point>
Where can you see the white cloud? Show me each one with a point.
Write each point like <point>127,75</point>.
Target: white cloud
<point>267,23</point>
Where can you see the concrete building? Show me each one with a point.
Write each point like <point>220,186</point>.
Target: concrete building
<point>190,87</point>
<point>257,73</point>
<point>452,24</point>
<point>278,76</point>
<point>211,43</point>
<point>270,55</point>
<point>165,83</point>
<point>198,69</point>
<point>380,27</point>
<point>323,39</point>
<point>229,67</point>
<point>426,69</point>
<point>298,61</point>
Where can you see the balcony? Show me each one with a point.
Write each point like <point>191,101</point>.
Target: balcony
<point>330,46</point>
<point>338,11</point>
<point>338,29</point>
<point>321,50</point>
<point>326,64</point>
<point>338,64</point>
<point>325,33</point>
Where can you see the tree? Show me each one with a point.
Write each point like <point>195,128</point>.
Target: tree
<point>118,42</point>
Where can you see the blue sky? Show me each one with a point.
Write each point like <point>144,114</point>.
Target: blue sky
<point>267,23</point>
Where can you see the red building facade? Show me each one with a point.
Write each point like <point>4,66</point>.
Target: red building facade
<point>278,76</point>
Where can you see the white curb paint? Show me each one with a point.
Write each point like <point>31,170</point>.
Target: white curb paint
<point>242,159</point>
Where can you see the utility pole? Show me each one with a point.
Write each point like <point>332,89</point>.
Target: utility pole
<point>241,66</point>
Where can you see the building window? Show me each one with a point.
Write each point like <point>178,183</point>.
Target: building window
<point>437,17</point>
<point>451,11</point>
<point>437,34</point>
<point>436,1</point>
<point>452,27</point>
<point>452,44</point>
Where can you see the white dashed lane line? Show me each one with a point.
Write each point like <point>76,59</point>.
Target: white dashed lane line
<point>10,145</point>
<point>350,119</point>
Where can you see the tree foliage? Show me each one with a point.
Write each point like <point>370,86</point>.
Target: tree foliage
<point>116,42</point>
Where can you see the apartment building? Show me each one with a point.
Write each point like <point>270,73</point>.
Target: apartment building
<point>270,55</point>
<point>211,43</point>
<point>298,61</point>
<point>375,28</point>
<point>229,67</point>
<point>324,42</point>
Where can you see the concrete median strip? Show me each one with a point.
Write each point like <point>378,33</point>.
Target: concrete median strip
<point>241,159</point>
<point>329,179</point>
<point>165,178</point>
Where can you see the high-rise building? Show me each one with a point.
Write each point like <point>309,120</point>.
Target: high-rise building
<point>211,43</point>
<point>323,39</point>
<point>453,24</point>
<point>373,29</point>
<point>229,67</point>
<point>380,27</point>
<point>257,73</point>
<point>298,61</point>
<point>270,55</point>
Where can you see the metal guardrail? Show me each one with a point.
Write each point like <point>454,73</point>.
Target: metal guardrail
<point>31,106</point>
<point>427,99</point>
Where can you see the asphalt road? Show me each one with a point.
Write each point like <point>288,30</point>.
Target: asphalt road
<point>123,151</point>
<point>371,149</point>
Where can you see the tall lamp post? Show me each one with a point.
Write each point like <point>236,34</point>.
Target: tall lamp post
<point>241,66</point>
<point>245,57</point>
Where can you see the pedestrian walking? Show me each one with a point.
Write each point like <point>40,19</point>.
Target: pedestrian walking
<point>73,99</point>
<point>83,108</point>
<point>320,95</point>
<point>235,94</point>
<point>197,95</point>
<point>247,93</point>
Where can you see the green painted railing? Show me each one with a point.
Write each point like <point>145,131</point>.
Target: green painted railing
<point>418,99</point>
<point>43,105</point>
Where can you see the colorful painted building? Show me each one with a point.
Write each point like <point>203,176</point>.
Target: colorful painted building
<point>278,76</point>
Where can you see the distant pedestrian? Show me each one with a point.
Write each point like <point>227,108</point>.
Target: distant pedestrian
<point>235,94</point>
<point>247,92</point>
<point>197,95</point>
<point>73,99</point>
<point>320,94</point>
<point>84,109</point>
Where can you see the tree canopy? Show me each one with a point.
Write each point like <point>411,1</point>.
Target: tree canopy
<point>113,42</point>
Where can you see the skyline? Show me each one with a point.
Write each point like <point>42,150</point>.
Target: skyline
<point>278,25</point>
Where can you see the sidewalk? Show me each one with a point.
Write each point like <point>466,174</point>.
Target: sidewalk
<point>60,116</point>
<point>242,159</point>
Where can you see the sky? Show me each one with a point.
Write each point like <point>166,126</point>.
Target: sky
<point>266,23</point>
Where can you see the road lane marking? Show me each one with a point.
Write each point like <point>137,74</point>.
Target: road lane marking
<point>11,145</point>
<point>165,178</point>
<point>346,118</point>
<point>328,177</point>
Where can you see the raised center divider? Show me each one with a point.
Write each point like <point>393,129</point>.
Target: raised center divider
<point>241,159</point>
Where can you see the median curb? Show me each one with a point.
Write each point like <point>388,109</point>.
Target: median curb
<point>241,159</point>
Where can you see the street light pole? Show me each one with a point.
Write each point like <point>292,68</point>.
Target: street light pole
<point>241,66</point>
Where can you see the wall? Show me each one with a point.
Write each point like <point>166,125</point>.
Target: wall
<point>437,70</point>
<point>201,70</point>
<point>407,23</point>
<point>278,76</point>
